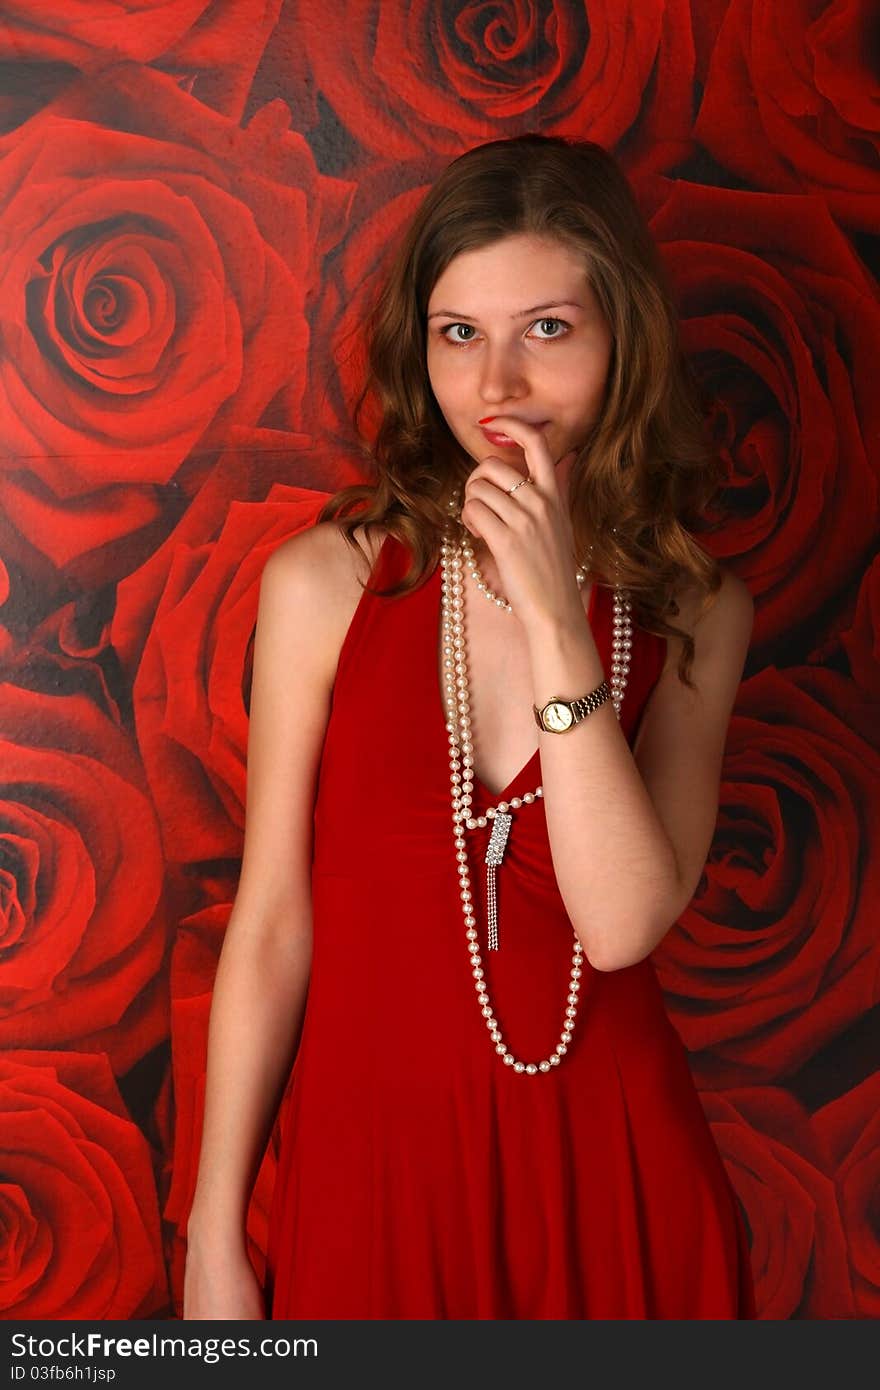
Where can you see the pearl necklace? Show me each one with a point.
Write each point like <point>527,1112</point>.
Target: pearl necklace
<point>458,699</point>
<point>467,551</point>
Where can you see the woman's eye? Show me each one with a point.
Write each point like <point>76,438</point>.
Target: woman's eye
<point>556,321</point>
<point>444,332</point>
<point>460,342</point>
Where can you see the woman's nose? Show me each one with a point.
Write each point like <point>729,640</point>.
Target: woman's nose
<point>501,374</point>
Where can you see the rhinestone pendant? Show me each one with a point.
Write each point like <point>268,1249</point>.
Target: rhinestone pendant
<point>498,839</point>
<point>461,793</point>
<point>494,857</point>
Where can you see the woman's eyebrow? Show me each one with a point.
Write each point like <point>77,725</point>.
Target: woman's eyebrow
<point>535,309</point>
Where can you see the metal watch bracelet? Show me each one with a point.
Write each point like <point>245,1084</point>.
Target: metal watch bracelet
<point>580,707</point>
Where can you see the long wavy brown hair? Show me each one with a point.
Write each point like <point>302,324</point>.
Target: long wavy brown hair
<point>647,469</point>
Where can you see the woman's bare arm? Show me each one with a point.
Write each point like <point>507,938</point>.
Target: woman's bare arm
<point>307,594</point>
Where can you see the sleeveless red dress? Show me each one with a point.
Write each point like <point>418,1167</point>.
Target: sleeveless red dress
<point>418,1176</point>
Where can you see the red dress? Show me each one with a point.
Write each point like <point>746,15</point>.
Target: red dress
<point>420,1177</point>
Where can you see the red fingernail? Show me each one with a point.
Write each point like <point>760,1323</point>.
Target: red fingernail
<point>486,419</point>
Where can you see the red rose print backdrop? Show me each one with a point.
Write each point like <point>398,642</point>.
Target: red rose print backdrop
<point>193,199</point>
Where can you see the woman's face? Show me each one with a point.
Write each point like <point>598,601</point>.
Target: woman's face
<point>516,329</point>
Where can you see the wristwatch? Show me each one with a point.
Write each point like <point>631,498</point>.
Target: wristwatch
<point>559,714</point>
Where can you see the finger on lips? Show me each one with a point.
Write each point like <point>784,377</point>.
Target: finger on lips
<point>529,436</point>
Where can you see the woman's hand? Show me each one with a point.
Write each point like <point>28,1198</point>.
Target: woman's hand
<point>220,1282</point>
<point>529,533</point>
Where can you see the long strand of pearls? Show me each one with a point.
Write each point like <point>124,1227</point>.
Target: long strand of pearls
<point>462,774</point>
<point>467,551</point>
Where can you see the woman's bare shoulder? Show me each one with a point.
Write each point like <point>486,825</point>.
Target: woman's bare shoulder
<point>322,576</point>
<point>321,553</point>
<point>693,611</point>
<point>726,620</point>
<point>351,567</point>
<point>370,540</point>
<point>731,603</point>
<point>727,615</point>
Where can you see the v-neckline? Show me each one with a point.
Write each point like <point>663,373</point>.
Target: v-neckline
<point>491,797</point>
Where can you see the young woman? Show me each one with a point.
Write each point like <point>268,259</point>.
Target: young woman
<point>482,787</point>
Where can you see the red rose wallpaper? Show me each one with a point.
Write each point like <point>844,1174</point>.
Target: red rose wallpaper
<point>193,197</point>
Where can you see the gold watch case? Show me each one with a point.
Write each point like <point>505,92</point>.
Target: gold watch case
<point>557,716</point>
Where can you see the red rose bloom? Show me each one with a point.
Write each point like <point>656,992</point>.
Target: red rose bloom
<point>791,101</point>
<point>154,267</point>
<point>78,1201</point>
<point>849,1128</point>
<point>781,322</point>
<point>782,1173</point>
<point>189,700</point>
<point>441,79</point>
<point>775,956</point>
<point>82,929</point>
<point>339,353</point>
<point>211,45</point>
<point>861,639</point>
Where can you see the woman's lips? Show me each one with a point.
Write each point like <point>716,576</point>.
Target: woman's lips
<point>505,439</point>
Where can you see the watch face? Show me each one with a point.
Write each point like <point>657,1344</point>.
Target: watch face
<point>557,717</point>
